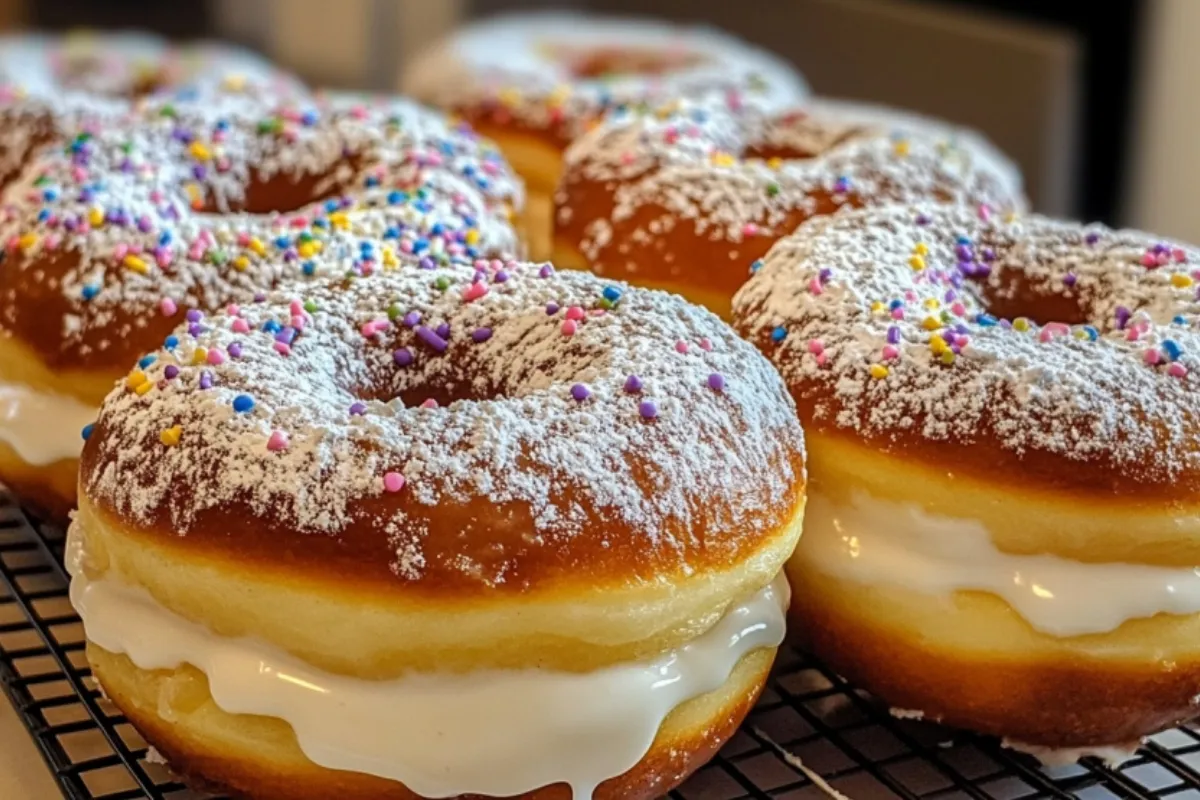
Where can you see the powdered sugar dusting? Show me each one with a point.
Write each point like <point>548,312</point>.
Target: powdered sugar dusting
<point>906,321</point>
<point>535,413</point>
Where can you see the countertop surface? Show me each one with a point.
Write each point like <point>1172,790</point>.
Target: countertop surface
<point>23,774</point>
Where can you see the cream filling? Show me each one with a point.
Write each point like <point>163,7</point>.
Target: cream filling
<point>879,542</point>
<point>488,732</point>
<point>41,427</point>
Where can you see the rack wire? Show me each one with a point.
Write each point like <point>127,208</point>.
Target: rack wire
<point>811,735</point>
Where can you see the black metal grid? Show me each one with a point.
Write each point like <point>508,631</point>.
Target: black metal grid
<point>808,723</point>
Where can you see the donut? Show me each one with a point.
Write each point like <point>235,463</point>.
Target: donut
<point>479,532</point>
<point>534,82</point>
<point>191,204</point>
<point>690,196</point>
<point>49,84</point>
<point>1003,421</point>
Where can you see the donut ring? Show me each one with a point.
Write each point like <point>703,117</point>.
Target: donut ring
<point>1003,421</point>
<point>535,82</point>
<point>191,205</point>
<point>50,85</point>
<point>688,197</point>
<point>448,474</point>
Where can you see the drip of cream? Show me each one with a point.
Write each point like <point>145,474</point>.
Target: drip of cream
<point>41,427</point>
<point>491,732</point>
<point>880,542</point>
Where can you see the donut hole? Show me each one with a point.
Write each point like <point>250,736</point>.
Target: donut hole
<point>1009,292</point>
<point>609,62</point>
<point>287,191</point>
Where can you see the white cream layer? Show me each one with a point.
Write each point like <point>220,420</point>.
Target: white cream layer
<point>496,733</point>
<point>880,542</point>
<point>41,427</point>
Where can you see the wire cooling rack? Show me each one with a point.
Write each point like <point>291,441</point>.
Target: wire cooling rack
<point>811,736</point>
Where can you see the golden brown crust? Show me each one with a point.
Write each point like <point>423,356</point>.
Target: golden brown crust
<point>677,752</point>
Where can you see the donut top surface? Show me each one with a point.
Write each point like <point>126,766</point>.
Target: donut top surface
<point>558,72</point>
<point>1021,349</point>
<point>208,199</point>
<point>499,428</point>
<point>746,178</point>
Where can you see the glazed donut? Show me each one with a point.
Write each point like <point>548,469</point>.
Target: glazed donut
<point>194,204</point>
<point>529,524</point>
<point>688,197</point>
<point>51,84</point>
<point>535,82</point>
<point>1003,422</point>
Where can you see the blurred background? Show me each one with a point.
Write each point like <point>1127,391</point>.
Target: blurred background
<point>1096,101</point>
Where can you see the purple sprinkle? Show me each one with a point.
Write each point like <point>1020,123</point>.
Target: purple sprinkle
<point>950,296</point>
<point>824,275</point>
<point>501,277</point>
<point>1069,279</point>
<point>546,271</point>
<point>171,372</point>
<point>205,380</point>
<point>923,219</point>
<point>194,315</point>
<point>893,335</point>
<point>427,263</point>
<point>551,309</point>
<point>1092,238</point>
<point>195,330</point>
<point>235,350</point>
<point>481,334</point>
<point>287,335</point>
<point>403,356</point>
<point>716,382</point>
<point>580,392</point>
<point>989,254</point>
<point>1123,315</point>
<point>1006,324</point>
<point>480,275</point>
<point>432,339</point>
<point>633,384</point>
<point>443,330</point>
<point>260,297</point>
<point>964,252</point>
<point>358,409</point>
<point>647,409</point>
<point>411,318</point>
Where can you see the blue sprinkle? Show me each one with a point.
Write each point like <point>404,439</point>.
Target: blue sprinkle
<point>87,431</point>
<point>986,320</point>
<point>147,360</point>
<point>50,195</point>
<point>1172,349</point>
<point>243,403</point>
<point>756,265</point>
<point>962,240</point>
<point>1179,319</point>
<point>90,290</point>
<point>372,182</point>
<point>171,342</point>
<point>778,334</point>
<point>271,326</point>
<point>164,238</point>
<point>309,268</point>
<point>331,206</point>
<point>320,222</point>
<point>1091,332</point>
<point>43,215</point>
<point>895,304</point>
<point>392,233</point>
<point>395,197</point>
<point>283,242</point>
<point>612,294</point>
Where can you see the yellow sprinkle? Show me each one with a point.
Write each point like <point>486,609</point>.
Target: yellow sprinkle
<point>921,249</point>
<point>722,159</point>
<point>877,307</point>
<point>932,303</point>
<point>1181,280</point>
<point>339,220</point>
<point>938,345</point>
<point>135,379</point>
<point>200,355</point>
<point>902,147</point>
<point>917,263</point>
<point>258,247</point>
<point>472,236</point>
<point>774,163</point>
<point>389,257</point>
<point>241,263</point>
<point>307,249</point>
<point>879,371</point>
<point>170,436</point>
<point>145,387</point>
<point>1020,324</point>
<point>1080,333</point>
<point>199,151</point>
<point>136,264</point>
<point>234,82</point>
<point>1010,216</point>
<point>95,217</point>
<point>931,323</point>
<point>28,240</point>
<point>948,357</point>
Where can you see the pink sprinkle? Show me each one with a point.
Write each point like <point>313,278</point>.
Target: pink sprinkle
<point>627,158</point>
<point>568,327</point>
<point>283,348</point>
<point>749,229</point>
<point>368,329</point>
<point>168,307</point>
<point>216,357</point>
<point>575,312</point>
<point>681,346</point>
<point>299,321</point>
<point>816,346</point>
<point>814,286</point>
<point>1151,357</point>
<point>1179,255</point>
<point>430,403</point>
<point>1149,261</point>
<point>985,212</point>
<point>890,351</point>
<point>296,307</point>
<point>958,309</point>
<point>241,326</point>
<point>243,238</point>
<point>897,313</point>
<point>821,359</point>
<point>475,291</point>
<point>1045,334</point>
<point>1177,370</point>
<point>706,345</point>
<point>1132,335</point>
<point>120,251</point>
<point>233,309</point>
<point>163,257</point>
<point>196,251</point>
<point>393,481</point>
<point>277,442</point>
